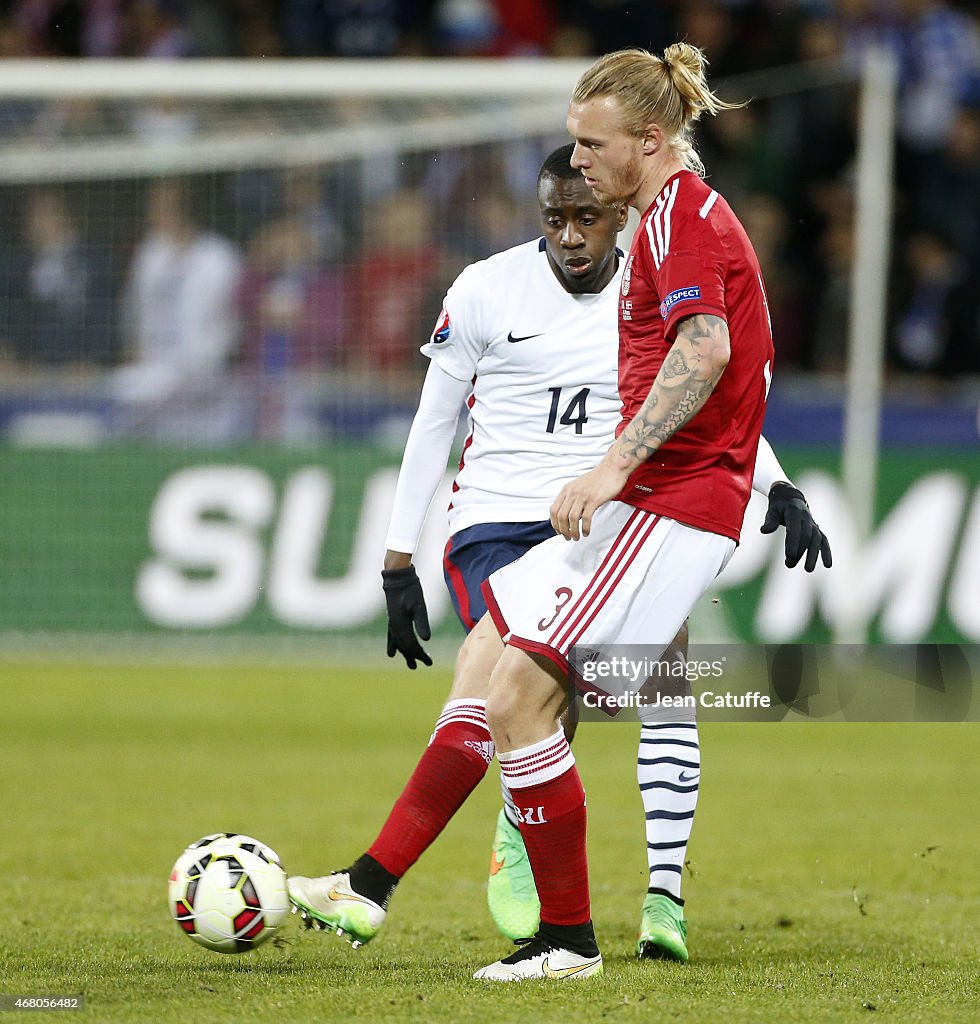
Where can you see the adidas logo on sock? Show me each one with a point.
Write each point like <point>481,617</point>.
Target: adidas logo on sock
<point>483,747</point>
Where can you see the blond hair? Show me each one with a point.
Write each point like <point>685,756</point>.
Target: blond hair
<point>670,91</point>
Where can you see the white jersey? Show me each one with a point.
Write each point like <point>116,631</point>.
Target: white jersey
<point>545,401</point>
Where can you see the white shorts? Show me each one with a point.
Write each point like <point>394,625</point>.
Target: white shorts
<point>633,580</point>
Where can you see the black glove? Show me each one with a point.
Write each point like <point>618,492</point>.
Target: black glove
<point>407,615</point>
<point>788,507</point>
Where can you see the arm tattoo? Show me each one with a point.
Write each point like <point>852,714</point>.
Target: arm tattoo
<point>689,374</point>
<point>674,365</point>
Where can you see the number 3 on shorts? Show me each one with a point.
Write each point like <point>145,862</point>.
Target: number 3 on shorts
<point>564,595</point>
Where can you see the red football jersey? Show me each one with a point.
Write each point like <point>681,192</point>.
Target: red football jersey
<point>691,255</point>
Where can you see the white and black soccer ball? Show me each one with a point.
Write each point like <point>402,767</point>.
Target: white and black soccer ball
<point>228,892</point>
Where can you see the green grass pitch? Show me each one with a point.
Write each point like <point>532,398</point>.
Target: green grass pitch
<point>833,867</point>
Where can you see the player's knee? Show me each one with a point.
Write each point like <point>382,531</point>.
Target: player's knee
<point>522,697</point>
<point>475,661</point>
<point>503,709</point>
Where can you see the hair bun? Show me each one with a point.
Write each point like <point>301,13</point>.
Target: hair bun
<point>686,56</point>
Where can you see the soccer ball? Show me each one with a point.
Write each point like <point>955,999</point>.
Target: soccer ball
<point>228,892</point>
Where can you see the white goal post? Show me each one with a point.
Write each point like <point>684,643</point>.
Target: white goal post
<point>869,284</point>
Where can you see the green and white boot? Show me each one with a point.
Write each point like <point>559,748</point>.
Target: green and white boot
<point>511,893</point>
<point>330,904</point>
<point>663,930</point>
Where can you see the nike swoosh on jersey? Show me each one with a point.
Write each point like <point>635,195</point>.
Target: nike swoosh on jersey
<point>495,865</point>
<point>526,337</point>
<point>563,972</point>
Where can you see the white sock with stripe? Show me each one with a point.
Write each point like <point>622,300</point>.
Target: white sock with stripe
<point>668,770</point>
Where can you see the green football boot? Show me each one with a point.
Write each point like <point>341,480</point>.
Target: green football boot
<point>330,904</point>
<point>663,930</point>
<point>511,894</point>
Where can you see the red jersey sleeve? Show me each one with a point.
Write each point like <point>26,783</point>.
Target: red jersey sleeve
<point>691,280</point>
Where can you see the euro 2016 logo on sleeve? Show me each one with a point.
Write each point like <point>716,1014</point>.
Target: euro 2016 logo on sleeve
<point>442,330</point>
<point>627,277</point>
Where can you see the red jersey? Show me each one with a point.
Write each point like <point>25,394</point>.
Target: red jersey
<point>691,255</point>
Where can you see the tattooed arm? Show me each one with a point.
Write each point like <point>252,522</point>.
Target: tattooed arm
<point>689,374</point>
<point>693,367</point>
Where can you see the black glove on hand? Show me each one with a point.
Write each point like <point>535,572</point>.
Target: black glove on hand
<point>407,615</point>
<point>788,507</point>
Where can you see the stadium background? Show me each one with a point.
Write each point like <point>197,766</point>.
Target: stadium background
<point>191,514</point>
<point>211,306</point>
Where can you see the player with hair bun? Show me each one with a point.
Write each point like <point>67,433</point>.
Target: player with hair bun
<point>509,685</point>
<point>670,91</point>
<point>541,410</point>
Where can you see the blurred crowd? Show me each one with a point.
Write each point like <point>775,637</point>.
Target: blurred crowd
<point>343,267</point>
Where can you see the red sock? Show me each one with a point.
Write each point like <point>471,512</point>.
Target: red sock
<point>552,822</point>
<point>457,757</point>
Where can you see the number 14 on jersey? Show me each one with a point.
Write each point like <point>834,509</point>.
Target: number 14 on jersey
<point>574,414</point>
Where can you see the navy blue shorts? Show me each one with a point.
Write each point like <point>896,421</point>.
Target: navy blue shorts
<point>476,552</point>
